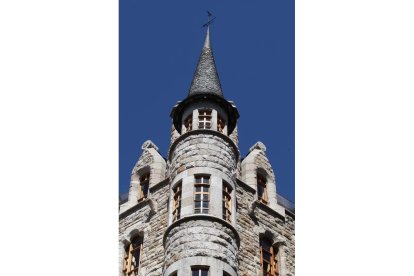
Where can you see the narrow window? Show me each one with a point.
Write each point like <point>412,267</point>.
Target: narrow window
<point>220,124</point>
<point>199,271</point>
<point>262,189</point>
<point>227,201</point>
<point>188,123</point>
<point>204,119</point>
<point>269,258</point>
<point>132,257</point>
<point>143,185</point>
<point>177,202</point>
<point>201,194</point>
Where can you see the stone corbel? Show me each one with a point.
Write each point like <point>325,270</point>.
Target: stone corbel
<point>252,208</point>
<point>153,206</point>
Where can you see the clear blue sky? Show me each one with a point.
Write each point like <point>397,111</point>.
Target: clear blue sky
<point>253,44</point>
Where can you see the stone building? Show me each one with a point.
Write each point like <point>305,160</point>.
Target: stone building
<point>205,210</point>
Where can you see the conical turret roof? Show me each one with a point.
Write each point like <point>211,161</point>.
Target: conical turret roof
<point>206,79</point>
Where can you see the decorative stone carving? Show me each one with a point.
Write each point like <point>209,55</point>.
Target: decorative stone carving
<point>149,144</point>
<point>259,145</point>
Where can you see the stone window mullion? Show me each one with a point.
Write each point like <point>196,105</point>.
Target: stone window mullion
<point>214,120</point>
<point>195,119</point>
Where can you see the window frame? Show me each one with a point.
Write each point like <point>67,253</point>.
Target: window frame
<point>205,117</point>
<point>177,194</point>
<point>143,186</point>
<point>202,184</point>
<point>274,258</point>
<point>188,123</point>
<point>262,183</point>
<point>129,254</point>
<point>221,124</point>
<point>199,268</point>
<point>227,201</point>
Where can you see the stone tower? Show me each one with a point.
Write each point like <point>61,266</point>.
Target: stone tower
<point>205,210</point>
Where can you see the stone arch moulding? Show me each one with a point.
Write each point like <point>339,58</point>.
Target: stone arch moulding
<point>135,233</point>
<point>279,242</point>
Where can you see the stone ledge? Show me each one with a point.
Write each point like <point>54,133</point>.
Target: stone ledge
<point>245,186</point>
<point>140,205</point>
<point>267,209</point>
<point>201,217</point>
<point>290,213</point>
<point>203,131</point>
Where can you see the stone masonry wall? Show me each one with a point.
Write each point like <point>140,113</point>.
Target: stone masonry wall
<point>201,238</point>
<point>249,255</point>
<point>174,134</point>
<point>234,136</point>
<point>204,150</point>
<point>250,228</point>
<point>153,228</point>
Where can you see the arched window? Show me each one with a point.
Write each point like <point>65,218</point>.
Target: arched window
<point>132,258</point>
<point>143,186</point>
<point>269,258</point>
<point>262,189</point>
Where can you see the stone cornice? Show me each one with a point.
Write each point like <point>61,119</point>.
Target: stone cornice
<point>229,106</point>
<point>202,217</point>
<point>203,131</point>
<point>148,201</point>
<point>258,204</point>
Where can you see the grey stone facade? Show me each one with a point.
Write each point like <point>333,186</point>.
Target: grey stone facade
<point>225,237</point>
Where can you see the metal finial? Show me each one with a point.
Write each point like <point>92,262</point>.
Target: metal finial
<point>209,14</point>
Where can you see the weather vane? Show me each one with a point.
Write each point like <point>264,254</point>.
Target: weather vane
<point>209,19</point>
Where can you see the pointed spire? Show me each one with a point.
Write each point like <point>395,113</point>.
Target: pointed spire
<point>206,79</point>
<point>207,41</point>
